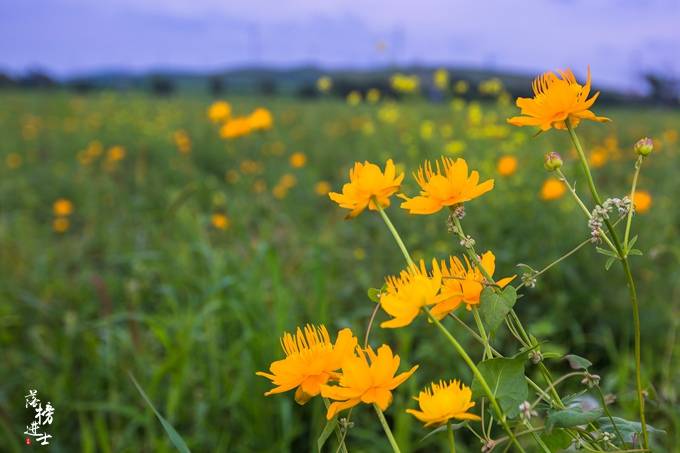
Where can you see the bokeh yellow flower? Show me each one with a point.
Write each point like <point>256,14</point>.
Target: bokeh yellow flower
<point>61,224</point>
<point>115,153</point>
<point>441,79</point>
<point>402,83</point>
<point>235,127</point>
<point>220,221</point>
<point>362,382</point>
<point>322,188</point>
<point>261,119</point>
<point>448,185</point>
<point>373,95</point>
<point>354,98</point>
<point>298,160</point>
<point>13,160</point>
<point>556,100</point>
<point>407,293</point>
<point>311,361</point>
<point>442,402</point>
<point>219,111</point>
<point>463,284</point>
<point>62,207</point>
<point>642,200</point>
<point>324,84</point>
<point>367,183</point>
<point>507,165</point>
<point>598,157</point>
<point>552,189</point>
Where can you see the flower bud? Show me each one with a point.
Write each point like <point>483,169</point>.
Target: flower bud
<point>644,146</point>
<point>553,161</point>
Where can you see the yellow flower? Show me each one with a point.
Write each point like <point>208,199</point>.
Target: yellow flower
<point>13,160</point>
<point>61,224</point>
<point>452,187</point>
<point>598,157</point>
<point>367,183</point>
<point>362,382</point>
<point>552,189</point>
<point>219,111</point>
<point>507,165</point>
<point>116,153</point>
<point>236,127</point>
<point>444,402</point>
<point>322,188</point>
<point>220,221</point>
<point>556,100</point>
<point>463,284</point>
<point>402,83</point>
<point>642,201</point>
<point>441,79</point>
<point>406,294</point>
<point>354,98</point>
<point>261,119</point>
<point>324,84</point>
<point>311,361</point>
<point>182,141</point>
<point>373,95</point>
<point>62,207</point>
<point>298,160</point>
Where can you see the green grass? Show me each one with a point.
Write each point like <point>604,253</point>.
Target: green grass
<point>142,283</point>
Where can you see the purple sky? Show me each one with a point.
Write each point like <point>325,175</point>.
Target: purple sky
<point>620,39</point>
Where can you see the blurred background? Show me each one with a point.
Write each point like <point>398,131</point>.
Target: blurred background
<point>164,170</point>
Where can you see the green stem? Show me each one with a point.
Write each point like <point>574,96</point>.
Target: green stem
<point>466,358</point>
<point>386,428</point>
<point>338,434</point>
<point>629,282</point>
<point>611,419</point>
<point>557,261</point>
<point>482,332</point>
<point>629,220</point>
<point>452,441</point>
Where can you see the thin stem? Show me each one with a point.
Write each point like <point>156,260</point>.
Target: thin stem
<point>629,221</point>
<point>452,441</point>
<point>338,433</point>
<point>629,282</point>
<point>386,428</point>
<point>557,261</point>
<point>482,332</point>
<point>606,411</point>
<point>466,358</point>
<point>370,324</point>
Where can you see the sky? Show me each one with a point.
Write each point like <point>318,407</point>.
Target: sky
<point>619,39</point>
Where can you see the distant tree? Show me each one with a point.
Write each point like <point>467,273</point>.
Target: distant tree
<point>81,86</point>
<point>37,79</point>
<point>6,81</point>
<point>162,85</point>
<point>665,90</point>
<point>217,85</point>
<point>267,87</point>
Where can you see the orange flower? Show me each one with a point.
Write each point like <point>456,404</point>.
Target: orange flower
<point>463,284</point>
<point>362,382</point>
<point>311,361</point>
<point>366,185</point>
<point>62,207</point>
<point>507,165</point>
<point>322,188</point>
<point>236,127</point>
<point>552,189</point>
<point>219,111</point>
<point>220,221</point>
<point>556,100</point>
<point>444,402</point>
<point>408,293</point>
<point>642,201</point>
<point>61,224</point>
<point>261,119</point>
<point>298,160</point>
<point>452,187</point>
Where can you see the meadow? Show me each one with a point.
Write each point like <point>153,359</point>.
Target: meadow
<point>180,257</point>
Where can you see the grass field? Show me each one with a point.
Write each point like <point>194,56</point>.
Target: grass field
<point>186,255</point>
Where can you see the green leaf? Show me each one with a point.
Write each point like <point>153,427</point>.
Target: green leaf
<point>327,431</point>
<point>578,362</point>
<point>570,417</point>
<point>374,294</point>
<point>632,242</point>
<point>606,252</point>
<point>454,426</point>
<point>174,436</point>
<point>635,252</point>
<point>627,428</point>
<point>495,306</point>
<point>507,382</point>
<point>557,440</point>
<point>609,263</point>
